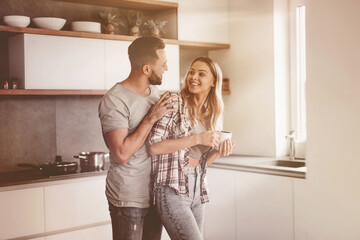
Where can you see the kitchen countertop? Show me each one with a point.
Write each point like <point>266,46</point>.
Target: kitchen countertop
<point>259,165</point>
<point>35,177</point>
<point>235,162</point>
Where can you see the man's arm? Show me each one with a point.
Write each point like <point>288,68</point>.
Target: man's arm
<point>124,145</point>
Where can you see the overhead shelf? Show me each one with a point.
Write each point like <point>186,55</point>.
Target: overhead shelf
<point>15,30</point>
<point>52,92</point>
<point>183,44</point>
<point>202,45</point>
<point>59,92</point>
<point>8,30</point>
<point>147,5</point>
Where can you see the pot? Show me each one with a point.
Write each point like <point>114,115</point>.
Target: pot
<point>92,161</point>
<point>54,168</point>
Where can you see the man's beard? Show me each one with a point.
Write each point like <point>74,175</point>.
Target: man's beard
<point>155,79</point>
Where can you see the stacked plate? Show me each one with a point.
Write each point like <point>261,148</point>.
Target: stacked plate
<point>51,23</point>
<point>16,20</point>
<point>86,26</point>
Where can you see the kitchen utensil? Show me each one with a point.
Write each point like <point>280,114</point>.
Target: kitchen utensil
<point>92,161</point>
<point>86,26</point>
<point>54,168</point>
<point>16,20</point>
<point>51,23</point>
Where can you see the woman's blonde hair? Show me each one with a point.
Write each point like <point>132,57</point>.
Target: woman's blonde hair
<point>213,106</point>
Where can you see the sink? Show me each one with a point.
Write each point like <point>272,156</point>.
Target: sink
<point>284,163</point>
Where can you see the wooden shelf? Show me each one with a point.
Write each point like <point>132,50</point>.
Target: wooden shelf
<point>203,45</point>
<point>183,44</point>
<point>46,92</point>
<point>54,92</point>
<point>147,5</point>
<point>8,30</point>
<point>16,30</point>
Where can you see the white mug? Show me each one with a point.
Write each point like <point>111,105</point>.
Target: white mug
<point>223,135</point>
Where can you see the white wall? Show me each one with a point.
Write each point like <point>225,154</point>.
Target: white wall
<point>203,21</point>
<point>281,76</point>
<point>327,202</point>
<point>333,103</point>
<point>249,64</point>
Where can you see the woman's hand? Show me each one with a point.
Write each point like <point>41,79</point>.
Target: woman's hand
<point>226,147</point>
<point>209,138</point>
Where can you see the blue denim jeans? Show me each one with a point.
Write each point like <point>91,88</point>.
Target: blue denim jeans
<point>130,223</point>
<point>182,216</point>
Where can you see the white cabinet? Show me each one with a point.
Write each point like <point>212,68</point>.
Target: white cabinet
<point>171,78</point>
<point>300,209</point>
<point>203,21</point>
<point>249,206</point>
<point>117,64</point>
<point>56,62</point>
<point>75,204</point>
<point>220,213</point>
<point>94,233</point>
<point>22,213</point>
<point>264,207</point>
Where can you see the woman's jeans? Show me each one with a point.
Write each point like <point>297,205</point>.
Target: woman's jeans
<point>182,216</point>
<point>130,223</point>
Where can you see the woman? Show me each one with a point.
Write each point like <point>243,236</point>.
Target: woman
<point>182,146</point>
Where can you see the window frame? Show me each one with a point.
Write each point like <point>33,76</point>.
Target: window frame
<point>297,119</point>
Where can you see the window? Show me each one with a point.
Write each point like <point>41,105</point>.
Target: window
<point>298,68</point>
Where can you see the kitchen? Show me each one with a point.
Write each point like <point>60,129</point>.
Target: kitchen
<point>321,206</point>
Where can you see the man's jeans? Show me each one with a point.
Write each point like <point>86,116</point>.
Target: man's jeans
<point>182,216</point>
<point>130,223</point>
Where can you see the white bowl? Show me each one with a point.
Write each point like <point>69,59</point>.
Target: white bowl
<point>86,26</point>
<point>51,23</point>
<point>16,20</point>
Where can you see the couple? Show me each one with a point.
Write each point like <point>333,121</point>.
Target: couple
<point>178,130</point>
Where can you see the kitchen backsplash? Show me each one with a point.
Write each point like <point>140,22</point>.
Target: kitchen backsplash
<point>36,128</point>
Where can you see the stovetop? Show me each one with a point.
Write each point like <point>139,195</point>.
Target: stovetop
<point>24,176</point>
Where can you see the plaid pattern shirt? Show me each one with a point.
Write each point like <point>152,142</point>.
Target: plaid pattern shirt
<point>171,169</point>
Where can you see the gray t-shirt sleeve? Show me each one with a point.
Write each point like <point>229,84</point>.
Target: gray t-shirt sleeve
<point>113,114</point>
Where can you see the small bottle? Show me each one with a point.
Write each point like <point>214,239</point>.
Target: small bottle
<point>6,84</point>
<point>14,83</point>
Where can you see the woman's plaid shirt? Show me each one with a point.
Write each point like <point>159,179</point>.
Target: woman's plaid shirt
<point>171,169</point>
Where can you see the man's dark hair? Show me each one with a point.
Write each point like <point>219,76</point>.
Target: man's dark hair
<point>143,51</point>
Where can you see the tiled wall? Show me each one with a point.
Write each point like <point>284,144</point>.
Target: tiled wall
<point>33,129</point>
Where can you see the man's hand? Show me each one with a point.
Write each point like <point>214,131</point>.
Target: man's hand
<point>161,107</point>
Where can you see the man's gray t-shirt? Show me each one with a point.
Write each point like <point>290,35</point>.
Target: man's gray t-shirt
<point>127,185</point>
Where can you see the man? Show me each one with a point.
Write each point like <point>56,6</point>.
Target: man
<point>127,113</point>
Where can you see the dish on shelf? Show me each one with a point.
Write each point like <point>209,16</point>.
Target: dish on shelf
<point>86,26</point>
<point>16,20</point>
<point>51,23</point>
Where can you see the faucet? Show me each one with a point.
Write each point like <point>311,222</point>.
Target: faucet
<point>291,138</point>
